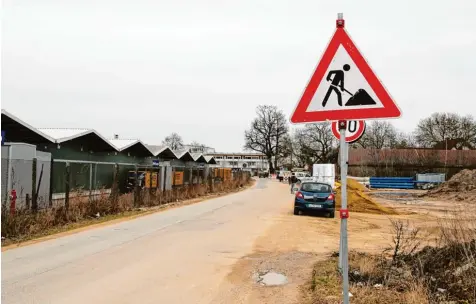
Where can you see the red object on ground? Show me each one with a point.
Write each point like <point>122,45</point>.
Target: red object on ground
<point>13,201</point>
<point>344,213</point>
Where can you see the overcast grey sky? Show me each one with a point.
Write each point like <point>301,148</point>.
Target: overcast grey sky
<point>144,69</point>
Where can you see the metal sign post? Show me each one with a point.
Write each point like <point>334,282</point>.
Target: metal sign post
<point>344,213</point>
<point>326,99</point>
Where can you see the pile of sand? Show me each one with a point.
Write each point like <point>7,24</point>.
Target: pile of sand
<point>462,186</point>
<point>358,201</point>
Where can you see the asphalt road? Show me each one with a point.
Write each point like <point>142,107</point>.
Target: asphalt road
<point>177,256</point>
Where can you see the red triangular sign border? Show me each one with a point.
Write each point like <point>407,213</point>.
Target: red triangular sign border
<point>389,109</point>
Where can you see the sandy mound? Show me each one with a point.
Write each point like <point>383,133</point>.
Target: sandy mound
<point>462,186</point>
<point>358,201</point>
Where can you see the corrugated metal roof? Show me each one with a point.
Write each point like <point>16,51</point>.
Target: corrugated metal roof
<point>180,153</point>
<point>210,160</point>
<point>183,154</point>
<point>26,125</point>
<point>198,156</point>
<point>156,149</point>
<point>122,144</point>
<point>59,135</point>
<point>65,134</point>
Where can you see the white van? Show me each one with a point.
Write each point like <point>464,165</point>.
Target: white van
<point>302,176</point>
<point>324,173</point>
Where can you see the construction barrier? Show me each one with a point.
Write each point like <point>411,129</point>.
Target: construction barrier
<point>223,173</point>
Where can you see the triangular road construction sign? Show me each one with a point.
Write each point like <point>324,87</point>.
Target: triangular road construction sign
<point>343,87</point>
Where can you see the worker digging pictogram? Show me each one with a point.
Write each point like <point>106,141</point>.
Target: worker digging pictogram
<point>360,98</point>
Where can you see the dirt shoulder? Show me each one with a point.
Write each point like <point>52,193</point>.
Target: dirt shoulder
<point>294,244</point>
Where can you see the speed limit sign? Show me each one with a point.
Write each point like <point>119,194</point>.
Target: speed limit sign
<point>355,130</point>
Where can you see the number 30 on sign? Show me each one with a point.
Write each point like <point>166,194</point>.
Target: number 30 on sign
<point>355,130</point>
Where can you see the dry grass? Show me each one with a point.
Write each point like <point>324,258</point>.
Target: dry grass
<point>451,264</point>
<point>368,266</point>
<point>444,273</point>
<point>358,201</point>
<point>25,224</point>
<point>36,233</point>
<point>417,294</point>
<point>325,286</point>
<point>366,271</point>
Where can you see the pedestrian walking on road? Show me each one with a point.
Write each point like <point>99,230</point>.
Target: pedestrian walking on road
<point>293,179</point>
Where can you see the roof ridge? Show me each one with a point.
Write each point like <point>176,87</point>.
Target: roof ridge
<point>67,128</point>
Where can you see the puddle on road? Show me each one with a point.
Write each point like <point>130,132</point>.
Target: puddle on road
<point>270,279</point>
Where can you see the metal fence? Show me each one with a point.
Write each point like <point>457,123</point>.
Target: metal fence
<point>59,180</point>
<point>26,172</point>
<point>82,175</point>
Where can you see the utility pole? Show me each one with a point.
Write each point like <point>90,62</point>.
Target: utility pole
<point>277,144</point>
<point>291,142</point>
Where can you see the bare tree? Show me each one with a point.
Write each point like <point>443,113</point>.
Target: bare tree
<point>379,135</point>
<point>173,141</point>
<point>267,132</point>
<point>197,144</point>
<point>403,141</point>
<point>447,131</point>
<point>315,143</point>
<point>467,132</point>
<point>285,151</point>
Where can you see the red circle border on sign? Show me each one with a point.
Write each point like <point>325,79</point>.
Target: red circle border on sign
<point>354,137</point>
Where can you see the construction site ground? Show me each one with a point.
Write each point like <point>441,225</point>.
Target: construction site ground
<point>294,243</point>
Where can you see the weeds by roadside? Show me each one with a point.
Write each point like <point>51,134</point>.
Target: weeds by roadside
<point>26,224</point>
<point>407,272</point>
<point>366,277</point>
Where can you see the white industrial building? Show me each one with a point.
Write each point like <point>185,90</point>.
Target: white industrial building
<point>198,149</point>
<point>253,162</point>
<point>246,161</point>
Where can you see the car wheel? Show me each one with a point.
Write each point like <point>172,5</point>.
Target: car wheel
<point>296,211</point>
<point>332,214</point>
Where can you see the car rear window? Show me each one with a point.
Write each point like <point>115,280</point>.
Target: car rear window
<point>316,188</point>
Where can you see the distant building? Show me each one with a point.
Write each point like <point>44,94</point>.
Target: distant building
<point>252,162</point>
<point>198,149</point>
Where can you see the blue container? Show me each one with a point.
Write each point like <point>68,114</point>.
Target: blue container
<point>392,182</point>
